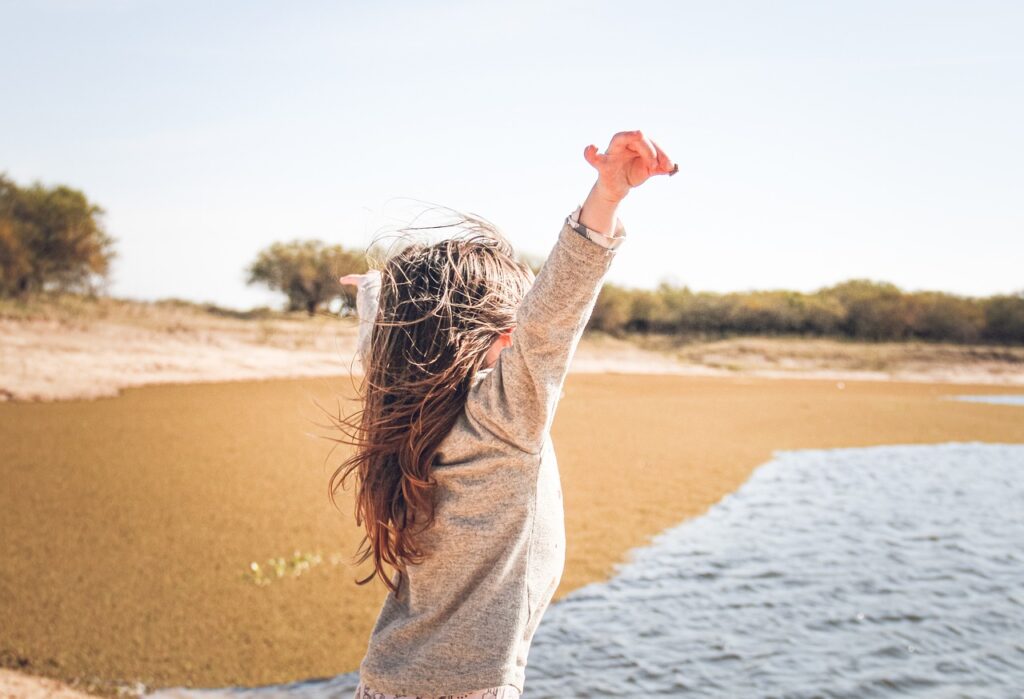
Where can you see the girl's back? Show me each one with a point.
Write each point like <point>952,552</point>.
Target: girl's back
<point>490,547</point>
<point>496,549</point>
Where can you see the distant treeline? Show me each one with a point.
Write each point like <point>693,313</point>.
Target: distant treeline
<point>857,309</point>
<point>52,239</point>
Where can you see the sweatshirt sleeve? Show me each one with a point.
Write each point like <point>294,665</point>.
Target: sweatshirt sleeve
<point>516,400</point>
<point>367,299</point>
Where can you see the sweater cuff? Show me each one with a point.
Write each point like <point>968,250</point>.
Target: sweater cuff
<point>610,242</point>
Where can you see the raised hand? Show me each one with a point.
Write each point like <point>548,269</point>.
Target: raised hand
<point>352,279</point>
<point>631,158</point>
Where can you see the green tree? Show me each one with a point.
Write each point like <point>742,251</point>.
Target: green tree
<point>707,312</point>
<point>612,310</point>
<point>766,312</point>
<point>822,314</point>
<point>939,316</point>
<point>307,272</point>
<point>1004,318</point>
<point>51,239</point>
<point>874,310</point>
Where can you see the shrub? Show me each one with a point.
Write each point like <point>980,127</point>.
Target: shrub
<point>51,239</point>
<point>874,310</point>
<point>858,309</point>
<point>307,272</point>
<point>938,316</point>
<point>1004,318</point>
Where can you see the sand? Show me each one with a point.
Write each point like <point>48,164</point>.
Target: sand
<point>99,348</point>
<point>22,686</point>
<point>129,523</point>
<point>59,360</point>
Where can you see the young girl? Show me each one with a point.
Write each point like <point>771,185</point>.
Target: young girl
<point>456,480</point>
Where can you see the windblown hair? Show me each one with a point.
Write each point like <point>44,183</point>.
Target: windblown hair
<point>442,305</point>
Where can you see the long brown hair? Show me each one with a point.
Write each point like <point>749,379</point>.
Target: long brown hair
<point>442,305</point>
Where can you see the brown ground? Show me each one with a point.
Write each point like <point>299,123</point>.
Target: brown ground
<point>129,523</point>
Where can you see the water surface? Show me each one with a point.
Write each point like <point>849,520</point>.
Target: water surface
<point>998,399</point>
<point>876,572</point>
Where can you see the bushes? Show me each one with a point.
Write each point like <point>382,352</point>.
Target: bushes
<point>873,310</point>
<point>858,309</point>
<point>1004,319</point>
<point>937,316</point>
<point>613,309</point>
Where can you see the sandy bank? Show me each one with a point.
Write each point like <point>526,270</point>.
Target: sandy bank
<point>17,685</point>
<point>62,358</point>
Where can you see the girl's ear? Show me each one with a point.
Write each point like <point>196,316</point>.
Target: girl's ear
<point>501,342</point>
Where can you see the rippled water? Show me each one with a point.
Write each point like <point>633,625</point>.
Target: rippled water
<point>876,572</point>
<point>998,399</point>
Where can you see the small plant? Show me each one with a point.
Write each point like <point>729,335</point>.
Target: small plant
<point>280,567</point>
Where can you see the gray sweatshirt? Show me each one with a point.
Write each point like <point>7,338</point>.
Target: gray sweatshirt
<point>464,619</point>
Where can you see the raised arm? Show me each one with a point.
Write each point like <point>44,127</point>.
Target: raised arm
<point>516,401</point>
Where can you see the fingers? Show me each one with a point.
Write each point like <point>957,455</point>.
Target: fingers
<point>645,147</point>
<point>593,157</point>
<point>665,164</point>
<point>622,142</point>
<point>633,144</point>
<point>626,146</point>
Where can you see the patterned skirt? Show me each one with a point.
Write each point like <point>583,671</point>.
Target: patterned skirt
<point>504,692</point>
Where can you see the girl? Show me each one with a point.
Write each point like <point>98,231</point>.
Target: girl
<point>456,480</point>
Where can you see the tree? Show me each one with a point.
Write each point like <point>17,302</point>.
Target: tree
<point>612,310</point>
<point>874,310</point>
<point>939,316</point>
<point>51,238</point>
<point>1004,318</point>
<point>307,272</point>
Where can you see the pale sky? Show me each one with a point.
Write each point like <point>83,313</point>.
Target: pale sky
<point>817,141</point>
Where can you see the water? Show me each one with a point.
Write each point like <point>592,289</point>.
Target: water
<point>888,571</point>
<point>999,399</point>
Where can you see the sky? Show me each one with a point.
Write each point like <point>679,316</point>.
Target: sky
<point>817,141</point>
